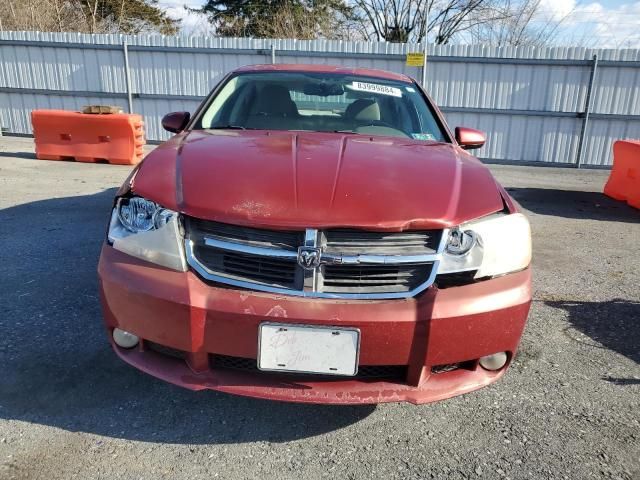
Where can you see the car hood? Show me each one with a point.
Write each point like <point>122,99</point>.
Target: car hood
<point>318,180</point>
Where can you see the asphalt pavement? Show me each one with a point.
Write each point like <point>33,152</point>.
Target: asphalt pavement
<point>569,408</point>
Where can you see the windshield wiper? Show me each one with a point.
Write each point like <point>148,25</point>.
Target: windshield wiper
<point>346,131</point>
<point>229,127</point>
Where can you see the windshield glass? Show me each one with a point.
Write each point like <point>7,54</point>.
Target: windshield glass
<point>321,102</point>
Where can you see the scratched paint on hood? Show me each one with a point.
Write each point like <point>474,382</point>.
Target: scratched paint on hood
<point>313,179</point>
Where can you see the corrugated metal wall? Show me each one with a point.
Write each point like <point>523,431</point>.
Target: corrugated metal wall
<point>529,101</point>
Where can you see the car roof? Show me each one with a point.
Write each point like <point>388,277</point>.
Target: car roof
<point>369,72</point>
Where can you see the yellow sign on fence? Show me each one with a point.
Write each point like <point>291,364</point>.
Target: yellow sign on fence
<point>415,59</point>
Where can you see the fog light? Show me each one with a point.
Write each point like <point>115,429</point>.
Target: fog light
<point>494,362</point>
<point>124,339</point>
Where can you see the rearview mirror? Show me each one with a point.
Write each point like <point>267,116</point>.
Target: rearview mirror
<point>323,89</point>
<point>176,121</point>
<point>469,139</point>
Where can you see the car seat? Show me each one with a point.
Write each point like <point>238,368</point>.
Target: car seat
<point>273,109</point>
<point>364,111</point>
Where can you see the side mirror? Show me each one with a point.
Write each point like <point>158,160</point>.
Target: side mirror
<point>176,121</point>
<point>469,139</point>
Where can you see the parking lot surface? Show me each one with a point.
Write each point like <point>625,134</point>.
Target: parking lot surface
<point>569,408</point>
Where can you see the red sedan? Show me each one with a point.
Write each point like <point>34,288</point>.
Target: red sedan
<point>317,234</point>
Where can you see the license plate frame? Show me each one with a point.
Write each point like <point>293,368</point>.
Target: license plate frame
<point>299,335</point>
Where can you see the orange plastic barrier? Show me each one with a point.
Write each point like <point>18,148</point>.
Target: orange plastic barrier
<point>624,181</point>
<point>63,135</point>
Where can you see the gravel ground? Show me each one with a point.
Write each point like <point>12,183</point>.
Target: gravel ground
<point>568,408</point>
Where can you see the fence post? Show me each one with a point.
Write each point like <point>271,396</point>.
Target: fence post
<point>426,46</point>
<point>273,54</point>
<point>127,75</point>
<point>424,68</point>
<point>587,110</point>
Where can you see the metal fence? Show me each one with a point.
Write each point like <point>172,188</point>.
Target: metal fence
<point>554,105</point>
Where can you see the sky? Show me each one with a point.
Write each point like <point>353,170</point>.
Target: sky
<point>604,24</point>
<point>593,24</point>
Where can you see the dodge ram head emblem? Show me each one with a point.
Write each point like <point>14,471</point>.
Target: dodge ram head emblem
<point>308,257</point>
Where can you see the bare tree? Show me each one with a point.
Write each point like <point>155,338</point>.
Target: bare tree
<point>518,23</point>
<point>46,15</point>
<point>404,20</point>
<point>92,16</point>
<point>58,7</point>
<point>92,9</point>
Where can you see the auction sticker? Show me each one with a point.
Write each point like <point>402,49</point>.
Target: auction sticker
<point>376,88</point>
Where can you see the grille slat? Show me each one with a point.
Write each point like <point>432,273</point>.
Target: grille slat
<point>232,262</point>
<point>260,271</point>
<point>251,268</point>
<point>259,268</point>
<point>397,278</point>
<point>250,236</point>
<point>275,279</point>
<point>382,243</point>
<point>250,365</point>
<point>364,277</point>
<point>361,281</point>
<point>373,275</point>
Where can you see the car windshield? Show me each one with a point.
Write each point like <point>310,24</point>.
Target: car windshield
<point>321,102</point>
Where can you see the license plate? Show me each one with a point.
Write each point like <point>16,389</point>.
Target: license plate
<point>308,349</point>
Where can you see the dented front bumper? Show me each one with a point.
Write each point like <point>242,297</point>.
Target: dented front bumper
<point>436,338</point>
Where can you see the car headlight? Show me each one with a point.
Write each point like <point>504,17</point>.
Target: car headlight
<point>144,229</point>
<point>491,246</point>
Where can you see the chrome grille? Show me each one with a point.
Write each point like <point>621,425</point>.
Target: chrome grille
<point>249,236</point>
<point>358,241</point>
<point>374,278</point>
<point>347,263</point>
<point>266,270</point>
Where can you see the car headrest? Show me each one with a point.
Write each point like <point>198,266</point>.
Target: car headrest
<point>365,109</point>
<point>274,100</point>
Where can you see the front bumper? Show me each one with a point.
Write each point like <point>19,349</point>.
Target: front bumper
<point>452,327</point>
